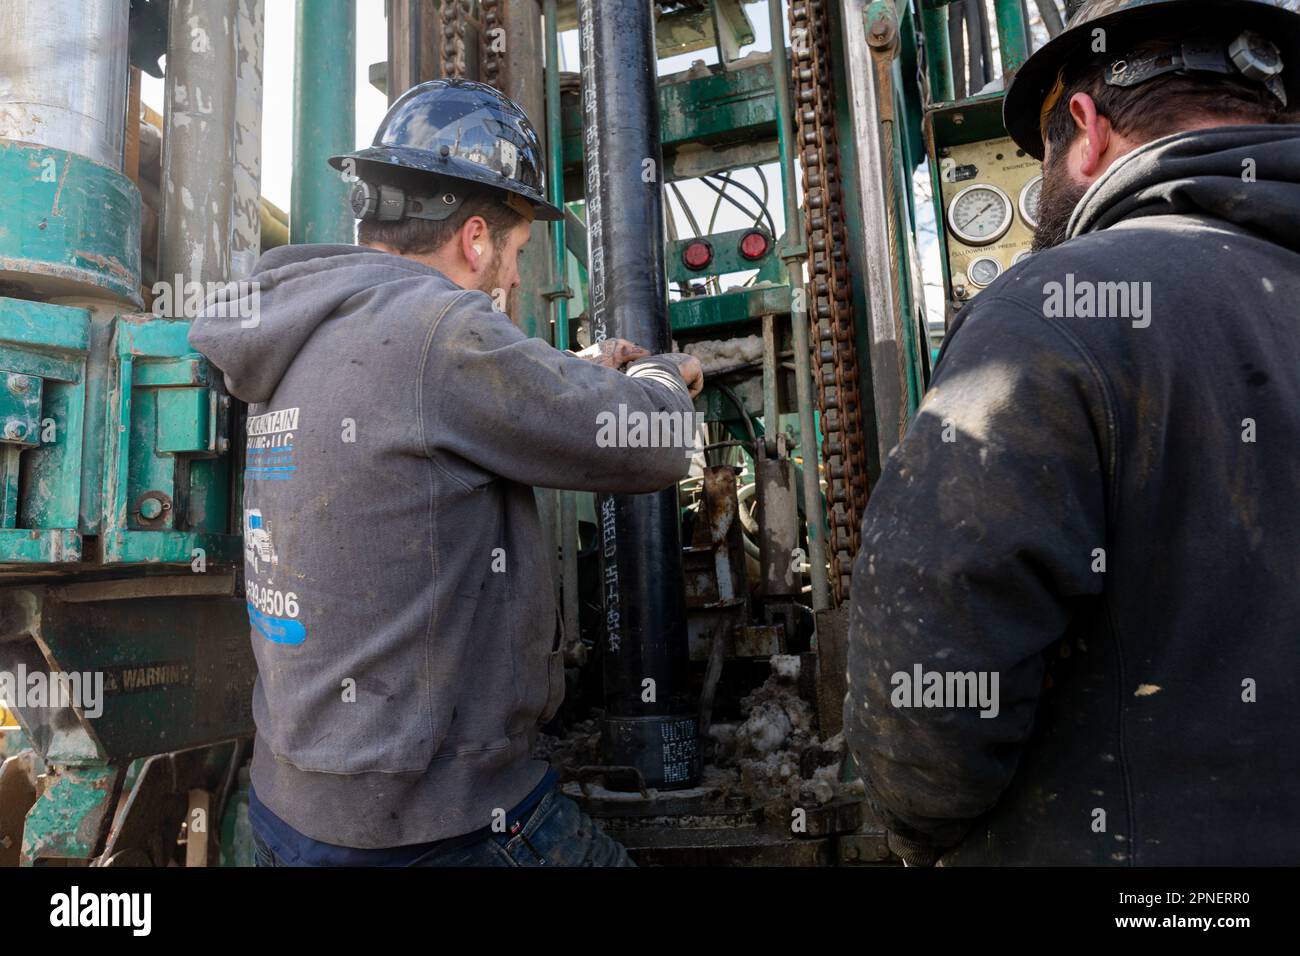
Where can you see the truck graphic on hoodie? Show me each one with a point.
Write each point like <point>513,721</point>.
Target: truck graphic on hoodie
<point>257,540</point>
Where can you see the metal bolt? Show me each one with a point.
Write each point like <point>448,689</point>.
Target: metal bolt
<point>14,429</point>
<point>18,384</point>
<point>958,119</point>
<point>150,508</point>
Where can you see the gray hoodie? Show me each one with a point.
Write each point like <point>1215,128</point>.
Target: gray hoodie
<point>400,596</point>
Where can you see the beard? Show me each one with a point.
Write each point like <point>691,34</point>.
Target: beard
<point>491,280</point>
<point>1060,194</point>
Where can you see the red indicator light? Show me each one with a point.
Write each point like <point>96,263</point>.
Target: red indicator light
<point>753,245</point>
<point>697,255</point>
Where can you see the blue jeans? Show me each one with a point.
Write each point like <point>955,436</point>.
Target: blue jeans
<point>557,833</point>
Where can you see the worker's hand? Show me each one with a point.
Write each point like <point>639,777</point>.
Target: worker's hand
<point>613,353</point>
<point>691,369</point>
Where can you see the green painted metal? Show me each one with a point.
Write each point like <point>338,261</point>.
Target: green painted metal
<point>166,441</point>
<point>560,292</point>
<point>324,120</point>
<point>743,306</point>
<point>726,259</point>
<point>173,651</point>
<point>685,29</point>
<point>70,819</point>
<point>911,119</point>
<point>46,345</point>
<point>71,226</point>
<point>1013,36</point>
<point>735,106</point>
<point>938,57</point>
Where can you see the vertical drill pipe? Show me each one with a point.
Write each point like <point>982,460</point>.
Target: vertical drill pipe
<point>770,413</point>
<point>198,163</point>
<point>555,145</point>
<point>65,75</point>
<point>812,492</point>
<point>644,596</point>
<point>520,75</point>
<point>246,243</point>
<point>324,119</point>
<point>560,306</point>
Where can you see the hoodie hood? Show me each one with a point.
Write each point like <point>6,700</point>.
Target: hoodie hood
<point>292,290</point>
<point>1245,175</point>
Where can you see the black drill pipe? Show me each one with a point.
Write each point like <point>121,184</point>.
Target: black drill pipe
<point>641,559</point>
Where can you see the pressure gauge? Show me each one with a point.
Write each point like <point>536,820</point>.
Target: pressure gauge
<point>983,270</point>
<point>1021,256</point>
<point>1029,201</point>
<point>979,214</point>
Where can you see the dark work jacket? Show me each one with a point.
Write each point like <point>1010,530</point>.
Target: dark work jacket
<point>1104,514</point>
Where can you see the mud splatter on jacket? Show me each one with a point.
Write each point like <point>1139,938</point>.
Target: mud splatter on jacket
<point>1100,505</point>
<point>400,594</point>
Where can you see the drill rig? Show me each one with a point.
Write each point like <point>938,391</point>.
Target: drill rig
<point>705,626</point>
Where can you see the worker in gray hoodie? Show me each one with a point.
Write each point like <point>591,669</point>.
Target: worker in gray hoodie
<point>399,588</point>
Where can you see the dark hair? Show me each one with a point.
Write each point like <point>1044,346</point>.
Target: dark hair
<point>1160,106</point>
<point>422,236</point>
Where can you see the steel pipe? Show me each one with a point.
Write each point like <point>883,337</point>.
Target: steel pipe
<point>650,721</point>
<point>65,75</point>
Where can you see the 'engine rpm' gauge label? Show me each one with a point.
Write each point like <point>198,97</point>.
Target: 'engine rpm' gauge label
<point>1029,201</point>
<point>979,214</point>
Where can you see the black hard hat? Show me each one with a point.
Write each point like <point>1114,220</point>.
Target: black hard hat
<point>458,130</point>
<point>1128,22</point>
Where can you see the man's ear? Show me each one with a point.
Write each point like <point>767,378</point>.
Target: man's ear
<point>474,242</point>
<point>1092,137</point>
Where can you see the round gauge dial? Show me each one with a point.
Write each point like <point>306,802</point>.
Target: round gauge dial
<point>983,270</point>
<point>1021,256</point>
<point>979,214</point>
<point>1029,201</point>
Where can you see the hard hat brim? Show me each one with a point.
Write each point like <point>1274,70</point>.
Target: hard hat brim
<point>1030,86</point>
<point>383,161</point>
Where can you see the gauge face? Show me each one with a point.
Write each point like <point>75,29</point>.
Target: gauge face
<point>983,270</point>
<point>1021,256</point>
<point>979,214</point>
<point>1029,201</point>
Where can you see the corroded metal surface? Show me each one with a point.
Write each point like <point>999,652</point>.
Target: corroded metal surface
<point>830,289</point>
<point>199,143</point>
<point>71,226</point>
